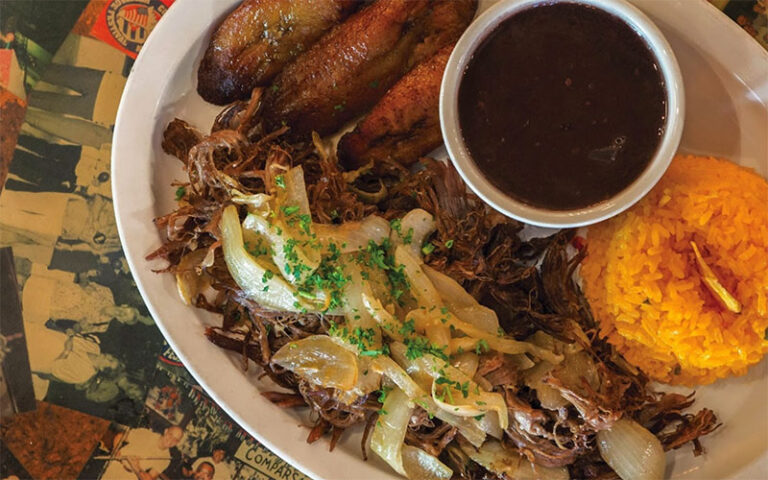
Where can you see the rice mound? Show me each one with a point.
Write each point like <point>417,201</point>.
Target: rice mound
<point>643,284</point>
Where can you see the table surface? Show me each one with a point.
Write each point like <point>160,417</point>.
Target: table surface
<point>84,368</point>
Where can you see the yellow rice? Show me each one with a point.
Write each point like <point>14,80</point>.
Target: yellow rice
<point>644,287</point>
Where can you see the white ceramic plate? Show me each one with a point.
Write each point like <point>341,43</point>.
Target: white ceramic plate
<point>726,79</point>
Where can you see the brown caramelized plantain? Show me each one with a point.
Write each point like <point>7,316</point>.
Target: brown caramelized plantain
<point>444,25</point>
<point>405,124</point>
<point>257,39</point>
<point>348,70</point>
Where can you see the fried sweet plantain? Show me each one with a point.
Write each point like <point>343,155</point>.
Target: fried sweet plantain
<point>405,124</point>
<point>257,39</point>
<point>444,25</point>
<point>347,71</point>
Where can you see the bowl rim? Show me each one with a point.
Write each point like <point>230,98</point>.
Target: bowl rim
<point>462,160</point>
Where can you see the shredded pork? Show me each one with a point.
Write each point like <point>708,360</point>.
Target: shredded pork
<point>478,248</point>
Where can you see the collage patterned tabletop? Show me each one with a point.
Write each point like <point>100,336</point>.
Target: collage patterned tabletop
<point>86,375</point>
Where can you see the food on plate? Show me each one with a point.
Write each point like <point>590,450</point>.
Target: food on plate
<point>254,42</point>
<point>349,69</point>
<point>631,451</point>
<point>179,138</point>
<point>420,319</point>
<point>678,282</point>
<point>445,23</point>
<point>405,124</point>
<point>394,302</point>
<point>562,106</point>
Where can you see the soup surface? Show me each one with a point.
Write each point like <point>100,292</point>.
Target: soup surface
<point>562,106</point>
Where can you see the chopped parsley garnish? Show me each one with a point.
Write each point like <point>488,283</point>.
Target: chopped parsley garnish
<point>328,277</point>
<point>397,225</point>
<point>257,249</point>
<point>333,328</point>
<point>280,181</point>
<point>377,256</point>
<point>398,282</point>
<point>481,347</point>
<point>446,391</point>
<point>409,327</point>
<point>335,252</point>
<point>180,192</point>
<point>408,238</point>
<point>362,338</point>
<point>427,248</point>
<point>464,388</point>
<point>305,221</point>
<point>375,353</point>
<point>289,250</point>
<point>461,387</point>
<point>306,294</point>
<point>417,347</point>
<point>290,210</point>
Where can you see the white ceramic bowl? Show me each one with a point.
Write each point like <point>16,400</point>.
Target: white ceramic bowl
<point>462,160</point>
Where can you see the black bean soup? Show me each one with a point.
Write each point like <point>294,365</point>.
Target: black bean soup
<point>562,106</point>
